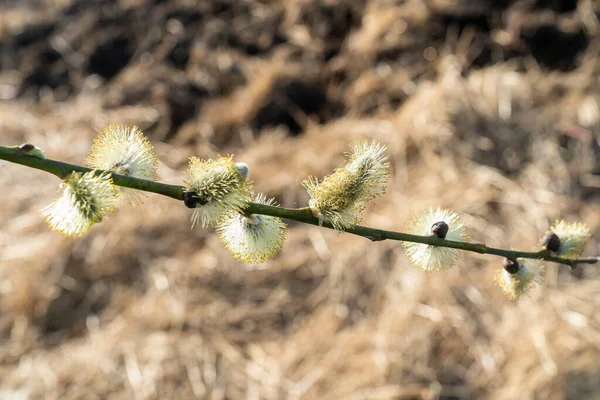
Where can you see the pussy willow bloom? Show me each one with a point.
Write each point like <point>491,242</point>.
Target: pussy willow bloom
<point>341,196</point>
<point>517,278</point>
<point>567,239</point>
<point>126,151</point>
<point>85,200</point>
<point>216,189</point>
<point>253,239</point>
<point>439,222</point>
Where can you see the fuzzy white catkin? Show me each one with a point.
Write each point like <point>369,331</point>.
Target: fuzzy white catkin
<point>254,238</point>
<point>126,151</point>
<point>434,258</point>
<point>85,200</point>
<point>223,186</point>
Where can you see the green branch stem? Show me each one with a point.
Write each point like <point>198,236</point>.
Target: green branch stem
<point>62,170</point>
<point>17,155</point>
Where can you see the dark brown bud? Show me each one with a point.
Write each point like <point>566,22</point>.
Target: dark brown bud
<point>440,229</point>
<point>511,266</point>
<point>191,199</point>
<point>552,242</point>
<point>26,147</point>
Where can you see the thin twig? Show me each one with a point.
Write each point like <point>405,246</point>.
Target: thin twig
<point>62,170</point>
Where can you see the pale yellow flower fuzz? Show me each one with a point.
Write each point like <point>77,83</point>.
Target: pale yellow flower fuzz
<point>514,285</point>
<point>126,151</point>
<point>221,184</point>
<point>368,161</point>
<point>86,199</point>
<point>253,239</point>
<point>340,197</point>
<point>573,237</point>
<point>434,258</point>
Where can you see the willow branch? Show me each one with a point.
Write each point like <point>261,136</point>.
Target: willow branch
<point>62,170</point>
<point>304,215</point>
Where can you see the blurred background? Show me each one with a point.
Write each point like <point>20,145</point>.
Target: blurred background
<point>490,108</point>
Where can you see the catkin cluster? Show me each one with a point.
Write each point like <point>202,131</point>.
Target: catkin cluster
<point>87,198</point>
<point>218,191</point>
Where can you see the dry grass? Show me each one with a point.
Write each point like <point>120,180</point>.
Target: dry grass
<point>143,307</point>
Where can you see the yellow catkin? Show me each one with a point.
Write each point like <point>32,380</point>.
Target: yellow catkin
<point>573,237</point>
<point>340,197</point>
<point>126,151</point>
<point>85,200</point>
<point>254,239</point>
<point>527,276</point>
<point>221,184</point>
<point>434,258</point>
